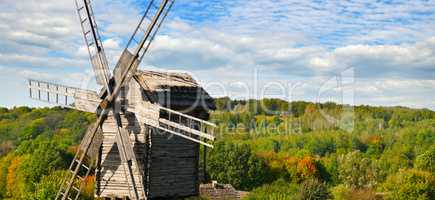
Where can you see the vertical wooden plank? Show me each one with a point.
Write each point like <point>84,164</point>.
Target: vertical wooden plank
<point>204,163</point>
<point>66,97</point>
<point>196,167</point>
<point>30,89</point>
<point>148,143</point>
<point>39,91</point>
<point>57,94</point>
<point>98,171</point>
<point>48,93</point>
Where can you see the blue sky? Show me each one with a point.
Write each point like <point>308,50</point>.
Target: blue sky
<point>243,49</point>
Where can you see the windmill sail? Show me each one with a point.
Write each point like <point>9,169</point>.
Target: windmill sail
<point>64,96</point>
<point>93,41</point>
<point>141,39</point>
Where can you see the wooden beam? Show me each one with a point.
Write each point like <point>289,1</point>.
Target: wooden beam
<point>187,116</point>
<point>187,129</point>
<point>185,136</point>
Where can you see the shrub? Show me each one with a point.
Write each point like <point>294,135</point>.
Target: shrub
<point>426,161</point>
<point>307,168</point>
<point>410,184</point>
<point>357,171</point>
<point>279,189</point>
<point>49,185</point>
<point>237,165</point>
<point>4,165</point>
<point>16,184</point>
<point>341,192</point>
<point>313,189</point>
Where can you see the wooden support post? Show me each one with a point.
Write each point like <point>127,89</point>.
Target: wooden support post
<point>57,94</point>
<point>98,171</point>
<point>204,163</point>
<point>48,93</point>
<point>66,97</point>
<point>39,91</point>
<point>30,89</point>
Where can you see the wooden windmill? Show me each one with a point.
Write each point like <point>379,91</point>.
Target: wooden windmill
<point>145,141</point>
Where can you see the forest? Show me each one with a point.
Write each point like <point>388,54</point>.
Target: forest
<point>272,148</point>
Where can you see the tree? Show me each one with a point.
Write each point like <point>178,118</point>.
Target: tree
<point>4,165</point>
<point>45,158</point>
<point>426,161</point>
<point>237,165</point>
<point>357,171</point>
<point>341,192</point>
<point>15,185</point>
<point>279,189</point>
<point>307,168</point>
<point>32,130</point>
<point>313,189</point>
<point>49,185</point>
<point>410,184</point>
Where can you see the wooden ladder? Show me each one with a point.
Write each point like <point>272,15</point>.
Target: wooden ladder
<point>72,189</point>
<point>78,172</point>
<point>93,40</point>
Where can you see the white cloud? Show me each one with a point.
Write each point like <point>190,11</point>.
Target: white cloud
<point>111,44</point>
<point>390,47</point>
<point>320,63</point>
<point>179,26</point>
<point>386,70</point>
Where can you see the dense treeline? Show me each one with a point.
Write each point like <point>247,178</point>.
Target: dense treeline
<point>35,146</point>
<point>273,148</point>
<point>302,150</point>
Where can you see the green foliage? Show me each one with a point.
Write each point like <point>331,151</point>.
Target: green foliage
<point>313,189</point>
<point>341,192</point>
<point>41,138</point>
<point>35,128</point>
<point>44,158</point>
<point>304,145</point>
<point>4,166</point>
<point>17,187</point>
<point>279,189</point>
<point>237,165</point>
<point>410,184</point>
<point>49,185</point>
<point>277,149</point>
<point>426,161</point>
<point>358,171</point>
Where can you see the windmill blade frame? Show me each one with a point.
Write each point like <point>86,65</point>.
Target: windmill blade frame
<point>135,50</point>
<point>62,95</point>
<point>93,42</point>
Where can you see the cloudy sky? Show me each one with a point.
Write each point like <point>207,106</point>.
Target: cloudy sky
<point>357,52</point>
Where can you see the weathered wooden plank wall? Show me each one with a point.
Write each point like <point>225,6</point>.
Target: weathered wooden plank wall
<point>171,170</point>
<point>113,181</point>
<point>173,167</point>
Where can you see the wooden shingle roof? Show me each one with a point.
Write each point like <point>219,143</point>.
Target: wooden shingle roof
<point>162,80</point>
<point>174,90</point>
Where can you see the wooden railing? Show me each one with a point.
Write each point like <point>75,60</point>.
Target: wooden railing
<point>186,126</point>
